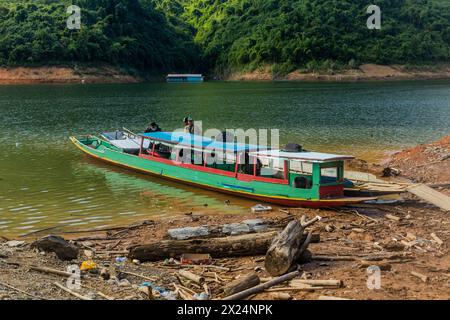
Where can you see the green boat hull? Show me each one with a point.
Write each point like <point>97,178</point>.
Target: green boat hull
<point>278,193</point>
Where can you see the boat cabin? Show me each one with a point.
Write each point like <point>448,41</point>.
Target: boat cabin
<point>314,175</point>
<point>321,172</point>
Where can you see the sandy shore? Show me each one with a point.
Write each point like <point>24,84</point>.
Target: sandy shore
<point>356,232</point>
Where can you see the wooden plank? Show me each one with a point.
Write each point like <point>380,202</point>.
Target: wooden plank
<point>430,195</point>
<point>79,296</point>
<point>361,176</point>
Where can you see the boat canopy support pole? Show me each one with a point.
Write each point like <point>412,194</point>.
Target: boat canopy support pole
<point>142,145</point>
<point>286,170</point>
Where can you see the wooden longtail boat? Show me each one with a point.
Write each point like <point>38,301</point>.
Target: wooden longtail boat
<point>301,178</point>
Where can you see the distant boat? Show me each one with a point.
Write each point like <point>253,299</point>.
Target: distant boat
<point>177,78</point>
<point>301,178</point>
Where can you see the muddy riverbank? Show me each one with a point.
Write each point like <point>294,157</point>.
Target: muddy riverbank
<point>359,233</point>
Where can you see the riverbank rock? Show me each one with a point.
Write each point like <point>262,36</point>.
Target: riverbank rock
<point>63,249</point>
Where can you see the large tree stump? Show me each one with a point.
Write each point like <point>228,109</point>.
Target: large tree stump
<point>234,246</point>
<point>287,247</point>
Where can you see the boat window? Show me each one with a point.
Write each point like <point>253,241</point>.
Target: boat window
<point>245,163</point>
<point>329,175</point>
<point>271,168</point>
<point>161,151</point>
<point>302,182</point>
<point>300,167</point>
<point>301,174</point>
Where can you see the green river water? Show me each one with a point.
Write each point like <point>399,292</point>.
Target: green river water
<point>46,182</point>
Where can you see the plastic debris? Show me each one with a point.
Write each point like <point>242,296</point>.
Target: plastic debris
<point>121,260</point>
<point>201,296</point>
<point>196,258</point>
<point>88,265</point>
<point>163,293</point>
<point>261,208</point>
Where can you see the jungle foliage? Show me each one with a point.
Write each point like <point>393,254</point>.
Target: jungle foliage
<point>118,32</point>
<point>222,36</point>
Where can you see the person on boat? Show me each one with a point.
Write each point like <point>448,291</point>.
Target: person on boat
<point>153,127</point>
<point>192,156</point>
<point>190,127</point>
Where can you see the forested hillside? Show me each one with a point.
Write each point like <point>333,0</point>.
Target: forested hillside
<point>223,36</point>
<point>119,32</point>
<point>290,34</point>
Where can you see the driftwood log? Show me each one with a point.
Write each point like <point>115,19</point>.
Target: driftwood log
<point>241,284</point>
<point>216,231</point>
<point>75,294</point>
<point>288,246</point>
<point>191,276</point>
<point>261,287</point>
<point>234,246</point>
<point>51,271</point>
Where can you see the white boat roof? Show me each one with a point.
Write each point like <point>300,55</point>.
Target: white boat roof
<point>300,156</point>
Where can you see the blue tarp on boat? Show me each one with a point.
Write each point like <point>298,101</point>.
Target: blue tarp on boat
<point>200,142</point>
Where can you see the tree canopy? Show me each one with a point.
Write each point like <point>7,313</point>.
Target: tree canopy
<point>244,34</point>
<point>222,36</point>
<point>119,32</point>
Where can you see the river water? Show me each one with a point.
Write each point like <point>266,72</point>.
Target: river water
<point>46,182</point>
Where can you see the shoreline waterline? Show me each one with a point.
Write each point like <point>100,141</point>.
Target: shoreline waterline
<point>106,74</point>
